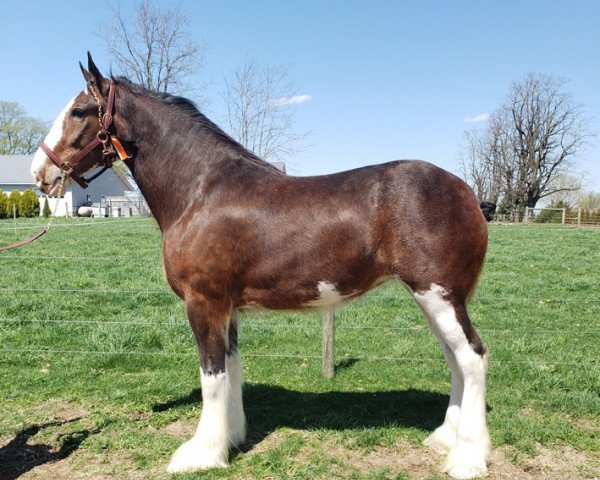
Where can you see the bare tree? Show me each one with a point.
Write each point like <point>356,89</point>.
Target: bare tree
<point>20,133</point>
<point>532,139</point>
<point>589,199</point>
<point>154,48</point>
<point>479,166</point>
<point>567,190</point>
<point>260,106</point>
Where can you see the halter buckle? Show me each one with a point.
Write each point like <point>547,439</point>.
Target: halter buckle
<point>66,168</point>
<point>102,136</point>
<point>107,120</point>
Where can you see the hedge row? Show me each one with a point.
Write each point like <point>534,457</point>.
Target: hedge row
<point>24,204</point>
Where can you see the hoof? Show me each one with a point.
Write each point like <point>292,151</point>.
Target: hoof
<point>464,462</point>
<point>442,440</point>
<point>193,456</point>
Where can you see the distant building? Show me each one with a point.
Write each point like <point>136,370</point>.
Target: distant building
<point>279,165</point>
<point>15,175</point>
<point>110,194</point>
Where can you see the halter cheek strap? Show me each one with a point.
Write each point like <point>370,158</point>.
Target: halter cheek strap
<point>103,137</point>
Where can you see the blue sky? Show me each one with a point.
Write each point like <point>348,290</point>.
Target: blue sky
<point>388,80</point>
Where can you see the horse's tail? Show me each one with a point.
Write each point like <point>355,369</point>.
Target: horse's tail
<point>488,209</point>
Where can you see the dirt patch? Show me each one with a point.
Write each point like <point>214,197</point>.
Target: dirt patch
<point>52,433</point>
<point>550,463</point>
<point>562,462</point>
<point>586,424</point>
<point>60,410</point>
<point>59,470</point>
<point>267,443</point>
<point>181,429</point>
<point>93,467</point>
<point>402,458</point>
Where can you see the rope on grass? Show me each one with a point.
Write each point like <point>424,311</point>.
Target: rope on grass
<point>93,291</point>
<point>72,258</point>
<point>116,223</point>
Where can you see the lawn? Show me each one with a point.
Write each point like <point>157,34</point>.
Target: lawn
<point>99,372</point>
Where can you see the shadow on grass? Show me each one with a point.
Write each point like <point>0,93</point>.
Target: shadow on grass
<point>269,407</point>
<point>18,456</point>
<point>344,364</point>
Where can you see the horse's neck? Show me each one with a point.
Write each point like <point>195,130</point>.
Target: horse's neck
<point>179,156</point>
<point>169,173</point>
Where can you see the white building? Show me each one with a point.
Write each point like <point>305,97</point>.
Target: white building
<point>15,175</point>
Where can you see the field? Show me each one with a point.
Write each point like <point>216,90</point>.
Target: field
<point>99,372</point>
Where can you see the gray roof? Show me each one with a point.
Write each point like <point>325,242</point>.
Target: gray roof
<point>14,169</point>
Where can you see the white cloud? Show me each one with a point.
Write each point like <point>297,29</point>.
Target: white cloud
<point>293,100</point>
<point>481,117</point>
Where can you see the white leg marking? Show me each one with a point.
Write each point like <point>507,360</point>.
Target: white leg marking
<point>444,437</point>
<point>235,407</point>
<point>209,447</point>
<point>469,456</point>
<point>51,139</point>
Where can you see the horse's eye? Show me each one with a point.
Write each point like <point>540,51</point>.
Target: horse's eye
<point>77,113</point>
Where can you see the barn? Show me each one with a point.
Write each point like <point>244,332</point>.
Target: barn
<point>15,175</point>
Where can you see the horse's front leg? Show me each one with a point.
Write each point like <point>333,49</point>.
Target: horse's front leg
<point>222,422</point>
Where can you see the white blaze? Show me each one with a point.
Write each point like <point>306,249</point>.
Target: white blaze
<point>51,139</point>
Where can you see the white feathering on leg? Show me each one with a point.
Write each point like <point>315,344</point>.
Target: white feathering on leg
<point>209,447</point>
<point>237,419</point>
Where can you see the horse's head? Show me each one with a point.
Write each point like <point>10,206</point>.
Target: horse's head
<point>81,137</point>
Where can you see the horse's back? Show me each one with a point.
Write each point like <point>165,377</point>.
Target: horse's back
<point>284,242</point>
<point>419,222</point>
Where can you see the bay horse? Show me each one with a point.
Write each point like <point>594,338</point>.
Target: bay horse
<point>238,234</point>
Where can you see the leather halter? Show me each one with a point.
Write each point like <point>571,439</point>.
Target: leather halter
<point>103,137</point>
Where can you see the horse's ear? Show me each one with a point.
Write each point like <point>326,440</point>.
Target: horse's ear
<point>93,69</point>
<point>89,78</point>
<point>92,74</point>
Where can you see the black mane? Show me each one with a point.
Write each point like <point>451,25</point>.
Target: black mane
<point>188,108</point>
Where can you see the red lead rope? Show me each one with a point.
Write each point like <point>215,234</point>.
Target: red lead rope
<point>42,230</point>
<point>102,137</point>
<point>26,241</point>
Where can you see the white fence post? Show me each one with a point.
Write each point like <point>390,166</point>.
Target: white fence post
<point>579,217</point>
<point>564,215</point>
<point>328,352</point>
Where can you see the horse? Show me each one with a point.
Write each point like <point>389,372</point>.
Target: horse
<point>238,233</point>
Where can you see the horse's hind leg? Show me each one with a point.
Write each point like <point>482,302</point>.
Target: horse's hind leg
<point>469,453</point>
<point>444,437</point>
<point>222,422</point>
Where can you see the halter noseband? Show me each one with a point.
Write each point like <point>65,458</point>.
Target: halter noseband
<point>102,137</point>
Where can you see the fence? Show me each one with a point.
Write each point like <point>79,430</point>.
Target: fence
<point>327,356</point>
<point>580,217</point>
<point>127,206</point>
<point>328,322</point>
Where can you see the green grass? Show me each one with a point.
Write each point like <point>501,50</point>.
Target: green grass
<point>121,415</point>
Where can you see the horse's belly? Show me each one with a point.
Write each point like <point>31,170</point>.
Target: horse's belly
<point>323,294</point>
